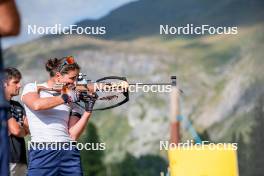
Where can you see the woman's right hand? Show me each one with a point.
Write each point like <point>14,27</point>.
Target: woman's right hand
<point>70,96</point>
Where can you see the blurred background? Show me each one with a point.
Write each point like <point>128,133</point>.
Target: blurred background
<point>221,75</point>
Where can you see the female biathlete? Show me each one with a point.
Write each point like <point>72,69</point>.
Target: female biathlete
<point>55,120</point>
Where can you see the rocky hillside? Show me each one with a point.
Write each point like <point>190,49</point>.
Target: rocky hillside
<point>221,84</point>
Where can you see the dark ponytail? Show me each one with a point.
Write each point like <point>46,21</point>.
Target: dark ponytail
<point>56,65</point>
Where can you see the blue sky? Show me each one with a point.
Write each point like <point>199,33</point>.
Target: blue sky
<point>65,12</point>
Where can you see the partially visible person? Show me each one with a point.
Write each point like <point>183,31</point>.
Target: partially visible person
<point>9,18</point>
<point>9,25</point>
<point>17,123</point>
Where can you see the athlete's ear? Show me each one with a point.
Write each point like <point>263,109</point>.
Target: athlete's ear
<point>58,76</point>
<point>5,83</point>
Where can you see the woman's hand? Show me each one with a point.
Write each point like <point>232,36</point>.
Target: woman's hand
<point>89,100</point>
<point>70,96</point>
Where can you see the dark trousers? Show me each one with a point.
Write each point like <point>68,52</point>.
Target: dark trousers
<point>49,162</point>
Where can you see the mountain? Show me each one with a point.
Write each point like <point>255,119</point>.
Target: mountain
<point>143,17</point>
<point>221,75</point>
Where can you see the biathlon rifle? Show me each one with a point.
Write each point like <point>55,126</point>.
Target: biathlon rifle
<point>112,91</point>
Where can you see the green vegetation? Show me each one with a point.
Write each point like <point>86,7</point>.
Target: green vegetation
<point>113,130</point>
<point>92,160</point>
<point>147,165</point>
<point>250,155</point>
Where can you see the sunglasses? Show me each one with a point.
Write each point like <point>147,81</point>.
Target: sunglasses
<point>66,61</point>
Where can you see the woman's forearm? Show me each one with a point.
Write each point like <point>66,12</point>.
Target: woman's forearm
<point>77,129</point>
<point>47,103</point>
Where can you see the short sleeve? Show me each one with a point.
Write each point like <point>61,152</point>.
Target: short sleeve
<point>76,110</point>
<point>9,114</point>
<point>21,108</point>
<point>30,87</point>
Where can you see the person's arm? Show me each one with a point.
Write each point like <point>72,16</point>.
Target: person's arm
<point>34,102</point>
<point>15,129</point>
<point>9,18</point>
<point>77,125</point>
<point>25,125</point>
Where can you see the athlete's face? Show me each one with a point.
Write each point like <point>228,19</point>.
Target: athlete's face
<point>68,78</point>
<point>12,87</point>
